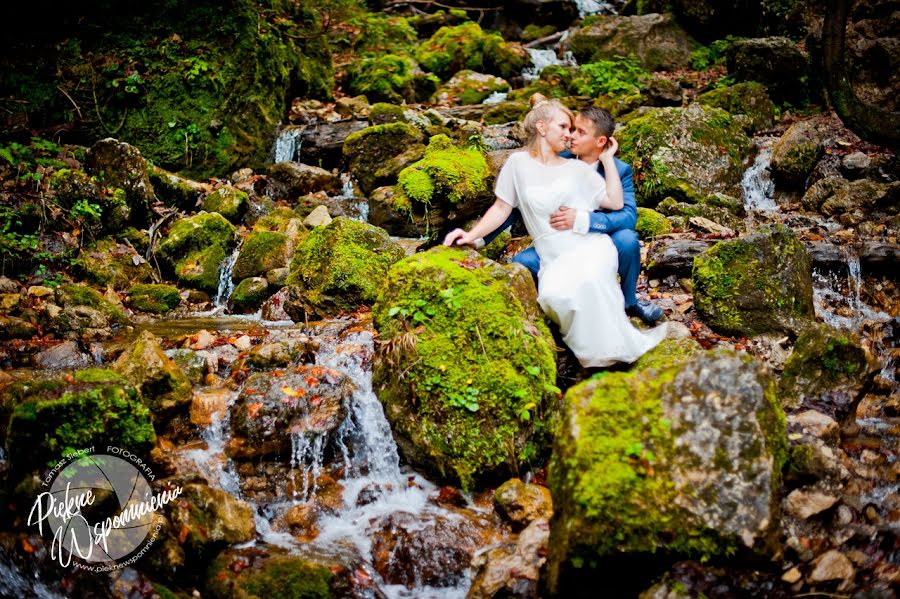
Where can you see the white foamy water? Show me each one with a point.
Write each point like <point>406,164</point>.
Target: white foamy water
<point>287,144</point>
<point>211,461</point>
<point>757,184</point>
<point>592,7</point>
<point>495,98</point>
<point>541,59</point>
<point>837,297</point>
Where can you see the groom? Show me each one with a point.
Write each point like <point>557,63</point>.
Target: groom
<point>591,137</point>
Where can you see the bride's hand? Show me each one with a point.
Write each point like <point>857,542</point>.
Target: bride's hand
<point>458,237</point>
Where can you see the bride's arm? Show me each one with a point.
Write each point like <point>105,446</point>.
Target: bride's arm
<point>493,218</point>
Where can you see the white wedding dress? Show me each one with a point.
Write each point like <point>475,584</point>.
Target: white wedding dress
<point>577,284</point>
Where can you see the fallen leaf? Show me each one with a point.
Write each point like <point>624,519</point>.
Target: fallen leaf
<point>182,535</point>
<point>293,392</point>
<point>253,410</point>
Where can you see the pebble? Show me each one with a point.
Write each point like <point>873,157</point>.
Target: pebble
<point>318,217</point>
<point>204,340</point>
<point>831,565</point>
<point>803,504</point>
<point>816,424</point>
<point>844,515</point>
<point>243,343</point>
<point>792,575</point>
<point>39,291</point>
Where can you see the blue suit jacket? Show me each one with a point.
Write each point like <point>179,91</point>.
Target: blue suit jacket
<point>602,221</point>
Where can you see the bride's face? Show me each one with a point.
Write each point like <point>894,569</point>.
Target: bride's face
<point>557,131</point>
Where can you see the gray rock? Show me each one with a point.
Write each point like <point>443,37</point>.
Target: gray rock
<point>832,565</point>
<point>119,164</point>
<point>803,504</point>
<point>797,152</point>
<point>817,424</point>
<point>318,217</point>
<point>323,142</point>
<point>512,571</point>
<point>292,180</point>
<point>7,285</point>
<point>855,164</point>
<point>66,355</point>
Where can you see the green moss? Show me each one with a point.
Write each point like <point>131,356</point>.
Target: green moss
<point>196,247</point>
<point>651,223</point>
<point>71,294</point>
<point>669,352</point>
<point>749,98</point>
<point>478,377</point>
<point>108,263</point>
<point>249,294</point>
<point>504,112</point>
<point>382,113</point>
<point>466,46</point>
<point>277,577</point>
<point>260,253</point>
<point>96,409</point>
<point>341,266</point>
<point>469,87</point>
<point>157,299</point>
<point>229,202</point>
<point>370,149</point>
<point>386,78</point>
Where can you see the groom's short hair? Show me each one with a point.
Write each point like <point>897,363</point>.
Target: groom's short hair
<point>602,120</point>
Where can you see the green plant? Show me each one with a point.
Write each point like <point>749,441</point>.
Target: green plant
<point>85,211</point>
<point>617,76</point>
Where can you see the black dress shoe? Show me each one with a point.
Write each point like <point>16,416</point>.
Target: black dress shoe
<point>646,311</point>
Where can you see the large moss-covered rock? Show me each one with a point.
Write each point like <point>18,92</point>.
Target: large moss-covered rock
<point>469,87</point>
<point>684,459</point>
<point>756,284</point>
<point>466,46</point>
<point>90,408</point>
<point>651,223</point>
<point>310,403</point>
<point>85,313</point>
<point>157,299</point>
<point>121,165</point>
<point>655,39</point>
<point>749,98</point>
<point>776,62</point>
<point>175,190</point>
<point>390,78</point>
<point>449,180</point>
<point>109,263</point>
<point>828,370</point>
<point>797,152</point>
<point>466,365</point>
<point>229,202</point>
<point>196,247</point>
<point>249,295</point>
<point>266,572</point>
<point>261,252</point>
<point>164,386</point>
<point>370,153</point>
<point>339,267</point>
<point>686,153</point>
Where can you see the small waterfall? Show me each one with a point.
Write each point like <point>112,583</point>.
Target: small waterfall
<point>212,460</point>
<point>287,144</point>
<point>838,297</point>
<point>226,285</point>
<point>307,453</point>
<point>495,98</point>
<point>545,58</point>
<point>757,184</point>
<point>593,7</point>
<point>348,192</point>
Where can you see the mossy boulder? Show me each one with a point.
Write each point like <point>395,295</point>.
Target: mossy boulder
<point>756,284</point>
<point>118,164</point>
<point>465,366</point>
<point>390,78</point>
<point>466,46</point>
<point>721,215</point>
<point>369,150</point>
<point>797,152</point>
<point>309,402</point>
<point>164,387</point>
<point>775,62</point>
<point>72,185</point>
<point>505,112</point>
<point>469,87</point>
<point>290,180</point>
<point>687,153</point>
<point>339,267</point>
<point>196,247</point>
<point>233,575</point>
<point>261,252</point>
<point>157,299</point>
<point>249,295</point>
<point>828,370</point>
<point>384,112</point>
<point>85,312</point>
<point>749,98</point>
<point>229,202</point>
<point>175,190</point>
<point>651,223</point>
<point>655,39</point>
<point>106,262</point>
<point>207,519</point>
<point>449,180</point>
<point>49,418</point>
<point>684,460</point>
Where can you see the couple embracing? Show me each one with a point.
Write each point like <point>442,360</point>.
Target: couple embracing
<point>582,228</point>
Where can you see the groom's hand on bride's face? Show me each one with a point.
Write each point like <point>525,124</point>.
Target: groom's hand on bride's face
<point>563,219</point>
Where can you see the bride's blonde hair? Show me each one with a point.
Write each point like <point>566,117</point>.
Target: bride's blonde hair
<point>542,109</point>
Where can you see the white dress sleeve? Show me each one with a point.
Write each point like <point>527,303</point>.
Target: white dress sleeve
<point>505,188</point>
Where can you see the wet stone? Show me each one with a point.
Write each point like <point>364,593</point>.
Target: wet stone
<point>832,565</point>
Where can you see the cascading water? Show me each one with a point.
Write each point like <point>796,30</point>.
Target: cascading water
<point>757,183</point>
<point>593,7</point>
<point>838,298</point>
<point>287,145</point>
<point>226,285</point>
<point>540,59</point>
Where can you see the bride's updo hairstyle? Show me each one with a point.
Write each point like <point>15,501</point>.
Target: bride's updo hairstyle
<point>542,109</point>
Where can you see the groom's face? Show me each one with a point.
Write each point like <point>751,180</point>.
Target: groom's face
<point>585,141</point>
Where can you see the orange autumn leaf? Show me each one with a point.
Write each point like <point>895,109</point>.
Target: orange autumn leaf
<point>293,392</point>
<point>277,373</point>
<point>253,410</point>
<point>27,547</point>
<point>182,535</point>
<point>312,381</point>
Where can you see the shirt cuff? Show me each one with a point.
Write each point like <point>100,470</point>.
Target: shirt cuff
<point>582,222</point>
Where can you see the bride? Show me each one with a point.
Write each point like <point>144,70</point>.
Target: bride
<point>577,285</point>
